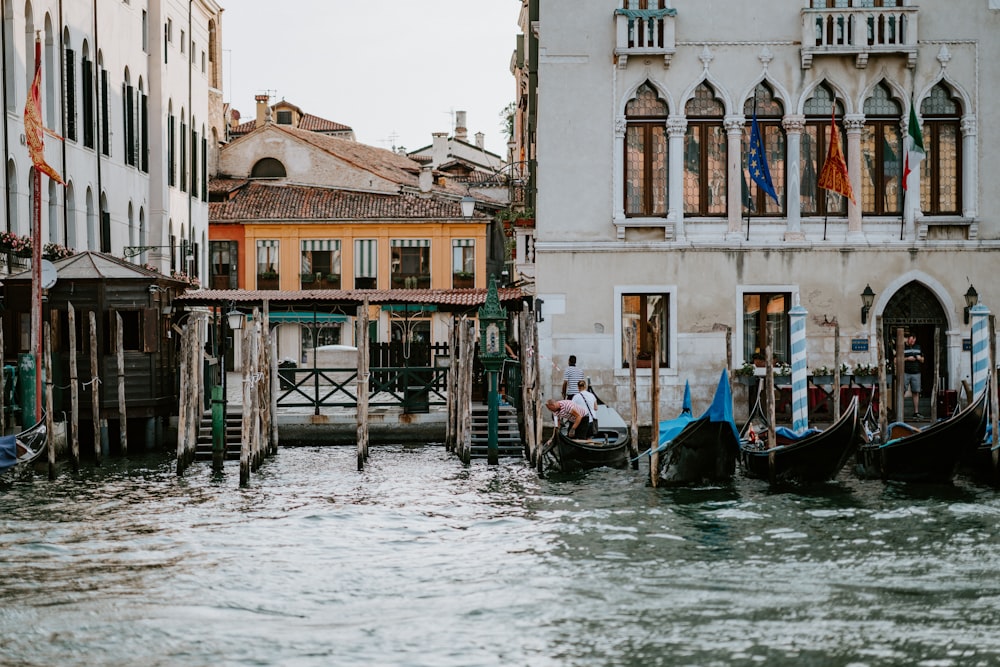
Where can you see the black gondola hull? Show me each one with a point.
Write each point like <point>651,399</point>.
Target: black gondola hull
<point>575,455</point>
<point>930,456</point>
<point>705,451</point>
<point>816,458</point>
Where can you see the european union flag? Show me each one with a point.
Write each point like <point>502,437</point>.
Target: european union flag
<point>757,162</point>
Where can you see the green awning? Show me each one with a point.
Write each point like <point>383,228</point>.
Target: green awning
<point>305,317</point>
<point>409,307</point>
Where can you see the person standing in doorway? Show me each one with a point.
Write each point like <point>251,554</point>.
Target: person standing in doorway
<point>913,363</point>
<point>571,378</point>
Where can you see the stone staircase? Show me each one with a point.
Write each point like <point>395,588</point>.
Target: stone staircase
<point>508,436</point>
<point>234,429</point>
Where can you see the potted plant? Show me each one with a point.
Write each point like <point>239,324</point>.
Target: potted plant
<point>308,278</point>
<point>865,375</point>
<point>822,375</point>
<point>746,374</point>
<point>463,279</point>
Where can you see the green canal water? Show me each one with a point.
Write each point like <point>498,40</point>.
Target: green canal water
<point>421,561</point>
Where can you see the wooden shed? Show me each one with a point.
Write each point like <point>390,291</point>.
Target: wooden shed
<point>109,287</point>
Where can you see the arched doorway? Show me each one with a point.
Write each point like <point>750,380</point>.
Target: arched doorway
<point>916,309</point>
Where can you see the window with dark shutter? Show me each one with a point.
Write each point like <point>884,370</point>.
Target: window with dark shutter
<point>69,94</point>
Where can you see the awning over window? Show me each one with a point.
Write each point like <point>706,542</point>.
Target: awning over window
<point>366,258</point>
<point>410,243</point>
<point>304,317</point>
<point>463,243</point>
<point>320,245</point>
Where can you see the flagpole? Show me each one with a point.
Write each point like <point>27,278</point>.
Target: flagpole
<point>36,268</point>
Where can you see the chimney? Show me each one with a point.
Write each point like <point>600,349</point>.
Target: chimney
<point>439,148</point>
<point>480,141</point>
<point>426,179</point>
<point>262,109</point>
<point>461,133</point>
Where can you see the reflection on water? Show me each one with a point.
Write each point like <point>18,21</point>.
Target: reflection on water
<point>420,561</point>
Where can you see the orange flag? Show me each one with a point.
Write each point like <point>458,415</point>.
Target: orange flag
<point>33,126</point>
<point>833,176</point>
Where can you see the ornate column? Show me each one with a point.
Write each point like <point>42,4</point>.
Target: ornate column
<point>853,125</point>
<point>734,135</point>
<point>970,177</point>
<point>617,174</point>
<point>676,127</point>
<point>793,124</point>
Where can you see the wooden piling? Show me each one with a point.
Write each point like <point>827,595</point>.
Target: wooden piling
<point>899,386</point>
<point>120,358</point>
<point>468,353</point>
<point>631,353</point>
<point>538,409</point>
<point>49,421</point>
<point>3,385</point>
<point>836,370</point>
<point>364,361</point>
<point>654,405</point>
<point>95,388</point>
<point>883,409</point>
<point>74,389</point>
<point>994,398</point>
<point>183,398</point>
<point>449,381</point>
<point>937,374</point>
<point>526,358</point>
<point>273,394</point>
<point>247,421</point>
<point>772,438</point>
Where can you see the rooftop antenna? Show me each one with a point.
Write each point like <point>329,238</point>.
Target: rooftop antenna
<point>391,140</point>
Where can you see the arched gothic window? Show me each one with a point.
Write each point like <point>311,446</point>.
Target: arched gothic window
<point>815,146</point>
<point>772,134</point>
<point>705,173</point>
<point>941,170</point>
<point>645,154</point>
<point>882,155</point>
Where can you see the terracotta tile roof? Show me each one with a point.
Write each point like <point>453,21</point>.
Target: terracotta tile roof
<point>268,201</point>
<point>317,124</point>
<point>447,300</point>
<point>307,122</point>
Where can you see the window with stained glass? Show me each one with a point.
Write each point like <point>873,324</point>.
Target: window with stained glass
<point>759,310</point>
<point>772,134</point>
<point>940,171</point>
<point>882,155</point>
<point>705,173</point>
<point>645,154</point>
<point>813,149</point>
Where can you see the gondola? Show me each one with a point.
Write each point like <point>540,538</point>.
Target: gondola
<point>802,458</point>
<point>703,449</point>
<point>23,448</point>
<point>609,448</point>
<point>930,455</point>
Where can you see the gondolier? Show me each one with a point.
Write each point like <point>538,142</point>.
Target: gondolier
<point>568,412</point>
<point>571,378</point>
<point>913,362</point>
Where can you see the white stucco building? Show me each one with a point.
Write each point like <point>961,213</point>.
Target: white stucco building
<point>134,87</point>
<point>642,116</point>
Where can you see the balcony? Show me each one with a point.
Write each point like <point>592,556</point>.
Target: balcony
<point>644,33</point>
<point>859,32</point>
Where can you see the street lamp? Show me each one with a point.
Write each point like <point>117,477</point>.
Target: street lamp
<point>971,299</point>
<point>867,299</point>
<point>492,350</point>
<point>468,204</point>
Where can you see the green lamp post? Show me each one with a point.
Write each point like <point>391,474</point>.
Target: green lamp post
<point>492,348</point>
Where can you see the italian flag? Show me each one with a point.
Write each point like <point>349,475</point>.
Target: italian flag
<point>914,146</point>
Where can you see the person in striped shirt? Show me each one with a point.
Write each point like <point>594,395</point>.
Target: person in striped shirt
<point>571,378</point>
<point>568,412</point>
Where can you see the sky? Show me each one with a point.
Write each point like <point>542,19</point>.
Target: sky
<point>393,70</point>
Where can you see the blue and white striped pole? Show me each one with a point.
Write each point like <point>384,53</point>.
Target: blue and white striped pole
<point>800,395</point>
<point>980,348</point>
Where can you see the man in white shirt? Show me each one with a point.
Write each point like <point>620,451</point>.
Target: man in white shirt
<point>571,378</point>
<point>588,402</point>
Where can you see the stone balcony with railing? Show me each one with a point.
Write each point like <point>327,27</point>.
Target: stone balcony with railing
<point>859,32</point>
<point>644,33</point>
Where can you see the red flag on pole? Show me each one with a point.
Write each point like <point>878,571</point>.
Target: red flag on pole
<point>34,128</point>
<point>833,176</point>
